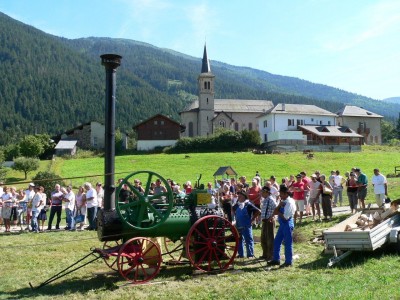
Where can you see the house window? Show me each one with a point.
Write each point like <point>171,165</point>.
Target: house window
<point>207,118</point>
<point>265,137</point>
<point>265,124</point>
<point>190,129</point>
<point>155,122</point>
<point>161,122</point>
<point>207,100</point>
<point>236,126</point>
<point>290,122</point>
<point>300,122</point>
<point>320,122</point>
<point>250,126</point>
<point>222,123</point>
<point>329,122</point>
<point>312,119</point>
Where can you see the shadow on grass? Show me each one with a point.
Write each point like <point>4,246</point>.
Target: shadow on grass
<point>66,286</point>
<point>356,258</point>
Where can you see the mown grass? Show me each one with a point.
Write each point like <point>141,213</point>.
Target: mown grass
<point>372,275</point>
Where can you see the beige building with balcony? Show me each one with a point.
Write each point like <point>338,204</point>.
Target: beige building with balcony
<point>363,122</point>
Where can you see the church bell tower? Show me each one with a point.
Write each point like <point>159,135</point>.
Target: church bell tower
<point>206,98</point>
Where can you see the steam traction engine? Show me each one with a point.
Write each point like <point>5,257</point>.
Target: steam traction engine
<point>189,229</point>
<point>131,228</point>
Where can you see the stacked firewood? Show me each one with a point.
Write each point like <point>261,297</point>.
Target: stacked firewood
<point>368,221</point>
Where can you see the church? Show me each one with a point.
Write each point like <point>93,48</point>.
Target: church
<point>203,116</point>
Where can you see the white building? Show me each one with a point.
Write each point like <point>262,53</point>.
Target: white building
<point>280,122</point>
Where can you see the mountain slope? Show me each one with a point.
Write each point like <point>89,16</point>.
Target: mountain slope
<point>49,84</point>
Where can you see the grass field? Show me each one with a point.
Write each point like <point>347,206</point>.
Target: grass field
<point>33,258</point>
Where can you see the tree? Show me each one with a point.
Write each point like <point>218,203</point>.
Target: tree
<point>31,146</point>
<point>26,165</point>
<point>398,128</point>
<point>388,131</point>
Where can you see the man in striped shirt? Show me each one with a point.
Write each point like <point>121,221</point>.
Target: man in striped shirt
<point>268,223</point>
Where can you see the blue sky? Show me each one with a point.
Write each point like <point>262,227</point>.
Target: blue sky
<point>349,44</point>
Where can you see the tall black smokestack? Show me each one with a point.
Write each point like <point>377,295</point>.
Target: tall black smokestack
<point>111,62</point>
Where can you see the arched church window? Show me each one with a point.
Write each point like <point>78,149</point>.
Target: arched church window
<point>222,123</point>
<point>205,85</point>
<point>236,126</point>
<point>208,85</point>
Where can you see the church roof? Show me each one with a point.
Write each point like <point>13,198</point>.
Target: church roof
<point>235,105</point>
<point>355,111</point>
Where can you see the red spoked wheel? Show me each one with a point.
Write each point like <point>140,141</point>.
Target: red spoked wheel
<point>139,260</point>
<point>212,243</point>
<point>112,248</point>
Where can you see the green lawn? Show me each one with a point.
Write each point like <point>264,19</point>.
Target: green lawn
<point>370,275</point>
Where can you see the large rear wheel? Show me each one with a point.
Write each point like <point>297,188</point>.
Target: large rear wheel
<point>212,243</point>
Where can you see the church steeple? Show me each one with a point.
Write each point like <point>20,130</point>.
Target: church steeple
<point>205,67</point>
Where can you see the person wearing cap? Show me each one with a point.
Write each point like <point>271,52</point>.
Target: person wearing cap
<point>315,193</point>
<point>268,223</point>
<point>245,214</point>
<point>298,195</point>
<point>285,212</point>
<point>379,183</point>
<point>351,189</point>
<point>362,184</point>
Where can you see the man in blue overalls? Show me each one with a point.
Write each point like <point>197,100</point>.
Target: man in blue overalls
<point>245,214</point>
<point>285,211</point>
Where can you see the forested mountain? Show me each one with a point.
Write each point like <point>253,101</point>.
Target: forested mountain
<point>49,84</point>
<point>392,100</point>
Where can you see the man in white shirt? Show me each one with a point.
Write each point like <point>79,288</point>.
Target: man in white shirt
<point>91,204</point>
<point>285,211</point>
<point>380,187</point>
<point>338,188</point>
<point>69,202</point>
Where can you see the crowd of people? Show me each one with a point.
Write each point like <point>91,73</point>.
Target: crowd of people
<point>28,209</point>
<point>255,204</point>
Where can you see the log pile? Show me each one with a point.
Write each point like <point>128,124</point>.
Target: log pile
<point>368,221</point>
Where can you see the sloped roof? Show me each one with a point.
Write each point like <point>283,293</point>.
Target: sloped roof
<point>225,171</point>
<point>355,111</point>
<point>235,105</point>
<point>331,131</point>
<point>66,144</point>
<point>299,109</point>
<point>155,116</point>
